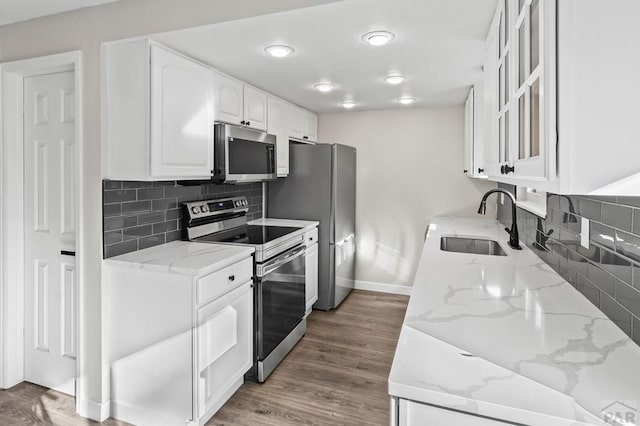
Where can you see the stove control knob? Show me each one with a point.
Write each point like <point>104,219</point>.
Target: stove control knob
<point>244,202</point>
<point>204,208</point>
<point>195,209</point>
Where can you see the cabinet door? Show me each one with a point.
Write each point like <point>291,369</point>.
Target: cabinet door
<point>468,135</point>
<point>534,97</point>
<point>416,414</point>
<point>228,99</point>
<point>311,276</point>
<point>490,99</point>
<point>310,126</point>
<point>477,130</point>
<point>278,125</point>
<point>296,122</point>
<point>255,108</point>
<point>181,143</point>
<point>224,346</point>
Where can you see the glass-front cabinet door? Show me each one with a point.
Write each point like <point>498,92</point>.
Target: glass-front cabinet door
<point>524,70</point>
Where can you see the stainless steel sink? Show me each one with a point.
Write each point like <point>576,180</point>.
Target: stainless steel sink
<point>471,245</point>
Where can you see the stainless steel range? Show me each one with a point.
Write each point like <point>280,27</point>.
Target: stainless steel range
<point>279,273</point>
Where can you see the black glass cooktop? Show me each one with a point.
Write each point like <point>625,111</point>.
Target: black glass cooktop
<point>249,234</point>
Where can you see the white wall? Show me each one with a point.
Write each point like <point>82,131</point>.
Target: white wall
<point>410,169</point>
<point>85,30</point>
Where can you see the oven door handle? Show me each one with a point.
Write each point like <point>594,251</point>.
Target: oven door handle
<point>281,260</point>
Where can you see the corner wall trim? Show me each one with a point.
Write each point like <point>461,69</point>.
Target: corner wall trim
<point>95,411</point>
<point>383,287</point>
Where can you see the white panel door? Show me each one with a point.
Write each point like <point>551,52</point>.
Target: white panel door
<point>181,116</point>
<point>278,125</point>
<point>228,99</point>
<point>255,108</point>
<point>49,208</point>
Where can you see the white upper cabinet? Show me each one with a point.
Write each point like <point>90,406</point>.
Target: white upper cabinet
<point>229,99</point>
<point>255,108</point>
<point>473,154</point>
<point>240,104</point>
<point>304,125</point>
<point>310,126</point>
<point>157,114</point>
<point>181,116</point>
<point>278,125</point>
<point>296,122</point>
<point>561,90</point>
<point>159,109</point>
<point>519,67</point>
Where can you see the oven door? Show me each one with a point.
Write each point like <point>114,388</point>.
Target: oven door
<point>280,298</point>
<point>243,155</point>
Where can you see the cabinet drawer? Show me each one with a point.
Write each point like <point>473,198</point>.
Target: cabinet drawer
<point>218,283</point>
<point>311,237</point>
<point>416,414</point>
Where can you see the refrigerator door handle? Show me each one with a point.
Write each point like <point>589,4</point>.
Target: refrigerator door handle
<point>346,240</point>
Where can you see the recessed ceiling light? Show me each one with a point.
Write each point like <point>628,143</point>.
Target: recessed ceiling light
<point>394,79</point>
<point>406,100</point>
<point>324,87</point>
<point>279,50</point>
<point>348,104</point>
<point>378,38</point>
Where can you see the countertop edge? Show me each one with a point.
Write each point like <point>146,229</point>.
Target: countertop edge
<point>240,254</point>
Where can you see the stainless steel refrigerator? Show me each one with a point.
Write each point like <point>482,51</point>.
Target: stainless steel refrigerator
<point>322,186</point>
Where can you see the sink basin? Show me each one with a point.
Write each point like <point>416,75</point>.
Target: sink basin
<point>471,245</point>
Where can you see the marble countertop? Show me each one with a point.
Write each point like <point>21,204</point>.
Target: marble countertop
<point>507,337</point>
<point>307,224</point>
<point>183,257</point>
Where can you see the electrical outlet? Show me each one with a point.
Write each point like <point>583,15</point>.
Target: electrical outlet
<point>584,233</point>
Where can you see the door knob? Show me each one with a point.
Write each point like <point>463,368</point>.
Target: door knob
<point>509,169</point>
<point>480,170</point>
<point>67,253</point>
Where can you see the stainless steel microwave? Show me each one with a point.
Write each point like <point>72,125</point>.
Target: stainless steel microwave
<point>243,155</point>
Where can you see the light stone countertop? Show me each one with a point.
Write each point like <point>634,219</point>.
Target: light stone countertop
<point>541,353</point>
<point>183,257</point>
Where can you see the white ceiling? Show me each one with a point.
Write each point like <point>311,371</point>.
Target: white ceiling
<point>21,10</point>
<point>439,46</point>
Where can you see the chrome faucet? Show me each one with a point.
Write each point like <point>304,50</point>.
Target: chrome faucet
<point>514,237</point>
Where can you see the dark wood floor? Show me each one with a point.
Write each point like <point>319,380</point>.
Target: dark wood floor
<point>337,375</point>
<point>29,404</point>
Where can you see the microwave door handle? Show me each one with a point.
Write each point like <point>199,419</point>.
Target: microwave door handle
<point>281,260</point>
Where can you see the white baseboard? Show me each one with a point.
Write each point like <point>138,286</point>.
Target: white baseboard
<point>383,287</point>
<point>95,411</point>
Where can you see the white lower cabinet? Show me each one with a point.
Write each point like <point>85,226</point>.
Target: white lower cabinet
<point>410,413</point>
<point>311,267</point>
<point>224,340</point>
<point>178,345</point>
